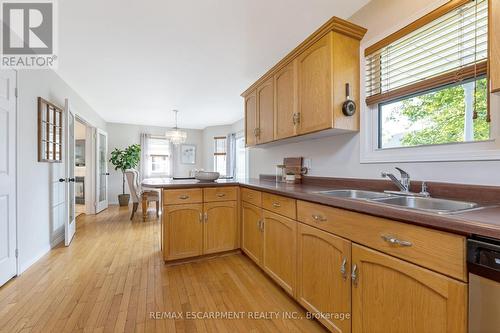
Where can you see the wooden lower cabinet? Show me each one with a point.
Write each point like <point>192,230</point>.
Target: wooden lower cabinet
<point>279,250</point>
<point>183,229</point>
<point>220,231</point>
<point>251,221</point>
<point>391,295</point>
<point>323,277</point>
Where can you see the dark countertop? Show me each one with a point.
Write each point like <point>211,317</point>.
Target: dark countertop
<point>483,222</point>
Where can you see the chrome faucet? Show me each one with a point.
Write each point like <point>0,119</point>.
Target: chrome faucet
<point>403,184</point>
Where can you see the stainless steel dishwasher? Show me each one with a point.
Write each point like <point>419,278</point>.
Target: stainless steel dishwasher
<point>483,262</point>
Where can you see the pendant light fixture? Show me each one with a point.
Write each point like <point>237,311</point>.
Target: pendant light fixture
<point>175,135</point>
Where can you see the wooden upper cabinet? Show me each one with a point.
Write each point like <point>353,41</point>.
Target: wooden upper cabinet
<point>323,276</point>
<point>279,260</point>
<point>183,231</point>
<point>251,119</point>
<point>309,86</point>
<point>251,222</point>
<point>314,72</point>
<point>265,110</point>
<point>391,295</point>
<point>285,102</point>
<point>494,38</point>
<point>220,230</point>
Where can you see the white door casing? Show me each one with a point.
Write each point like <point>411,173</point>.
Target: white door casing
<point>69,224</point>
<point>101,171</point>
<point>8,242</point>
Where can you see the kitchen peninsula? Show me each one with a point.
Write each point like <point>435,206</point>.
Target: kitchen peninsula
<point>320,248</point>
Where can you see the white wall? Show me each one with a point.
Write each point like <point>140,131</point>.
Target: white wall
<point>124,135</point>
<point>339,156</point>
<point>34,226</point>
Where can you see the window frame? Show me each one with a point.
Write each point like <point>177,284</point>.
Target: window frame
<point>167,161</point>
<point>217,153</point>
<point>460,151</point>
<point>168,156</point>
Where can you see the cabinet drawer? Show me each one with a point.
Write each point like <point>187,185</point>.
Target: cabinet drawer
<point>251,196</point>
<point>440,251</point>
<point>280,205</point>
<point>182,196</point>
<point>211,194</point>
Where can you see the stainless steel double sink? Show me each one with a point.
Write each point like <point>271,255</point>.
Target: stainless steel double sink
<point>440,206</point>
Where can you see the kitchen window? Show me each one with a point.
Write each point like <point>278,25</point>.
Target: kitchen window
<point>443,115</point>
<point>156,156</point>
<point>426,86</point>
<point>220,152</point>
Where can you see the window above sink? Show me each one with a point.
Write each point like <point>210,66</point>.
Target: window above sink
<point>427,91</point>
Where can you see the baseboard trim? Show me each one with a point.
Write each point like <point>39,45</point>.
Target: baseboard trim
<point>24,266</point>
<point>58,239</point>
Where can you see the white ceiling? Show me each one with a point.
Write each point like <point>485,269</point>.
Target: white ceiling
<point>135,61</point>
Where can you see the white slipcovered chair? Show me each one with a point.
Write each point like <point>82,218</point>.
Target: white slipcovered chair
<point>137,194</point>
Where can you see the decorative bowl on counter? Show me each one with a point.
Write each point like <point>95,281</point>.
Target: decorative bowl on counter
<point>206,176</point>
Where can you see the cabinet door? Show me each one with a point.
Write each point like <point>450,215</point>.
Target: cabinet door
<point>391,295</point>
<point>279,256</point>
<point>323,283</point>
<point>251,231</point>
<point>494,38</point>
<point>265,107</point>
<point>184,231</point>
<point>285,100</point>
<point>220,228</point>
<point>314,68</point>
<point>251,119</point>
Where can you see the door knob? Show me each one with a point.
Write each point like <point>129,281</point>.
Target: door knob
<point>107,174</point>
<point>71,180</point>
<point>62,180</point>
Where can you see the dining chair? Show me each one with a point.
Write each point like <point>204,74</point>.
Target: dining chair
<point>137,194</point>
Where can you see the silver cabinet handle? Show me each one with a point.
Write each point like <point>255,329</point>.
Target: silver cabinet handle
<point>201,218</point>
<point>183,197</point>
<point>205,216</point>
<point>354,275</point>
<point>343,269</point>
<point>220,195</point>
<point>262,225</point>
<point>394,241</point>
<point>276,204</point>
<point>319,218</point>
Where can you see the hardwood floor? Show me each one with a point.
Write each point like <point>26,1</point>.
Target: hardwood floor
<point>112,278</point>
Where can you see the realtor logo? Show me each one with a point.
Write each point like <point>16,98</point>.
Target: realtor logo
<point>28,34</point>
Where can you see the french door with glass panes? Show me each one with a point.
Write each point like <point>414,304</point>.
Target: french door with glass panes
<point>101,171</point>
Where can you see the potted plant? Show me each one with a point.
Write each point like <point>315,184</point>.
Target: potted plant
<point>124,159</point>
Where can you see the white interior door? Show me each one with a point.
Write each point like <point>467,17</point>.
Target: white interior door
<point>8,244</point>
<point>101,171</point>
<point>69,223</point>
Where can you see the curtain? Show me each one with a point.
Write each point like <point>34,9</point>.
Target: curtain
<point>145,160</point>
<point>231,155</point>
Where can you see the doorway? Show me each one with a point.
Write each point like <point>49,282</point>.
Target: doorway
<point>85,167</point>
<point>81,177</point>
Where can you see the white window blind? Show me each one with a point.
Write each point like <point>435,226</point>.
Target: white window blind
<point>449,49</point>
